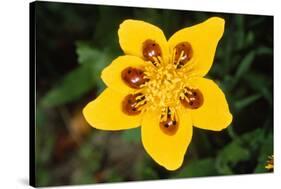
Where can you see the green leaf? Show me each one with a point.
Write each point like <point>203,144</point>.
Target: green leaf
<point>132,135</point>
<point>240,104</point>
<point>244,65</point>
<point>265,151</point>
<point>86,53</point>
<point>229,156</point>
<point>113,175</point>
<point>240,33</point>
<point>260,84</point>
<point>95,60</point>
<point>72,87</point>
<point>106,26</point>
<point>240,149</point>
<point>250,39</point>
<point>149,173</point>
<point>242,70</point>
<point>81,80</point>
<point>198,168</point>
<point>264,50</point>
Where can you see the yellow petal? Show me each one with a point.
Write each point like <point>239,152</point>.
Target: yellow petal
<point>111,75</point>
<point>133,33</point>
<point>166,150</point>
<point>203,38</point>
<point>214,113</point>
<point>105,112</point>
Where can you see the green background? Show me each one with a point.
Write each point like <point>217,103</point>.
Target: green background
<point>74,42</point>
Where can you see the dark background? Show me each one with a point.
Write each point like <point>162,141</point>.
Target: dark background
<point>74,42</point>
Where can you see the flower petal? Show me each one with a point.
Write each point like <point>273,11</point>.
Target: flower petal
<point>167,150</point>
<point>105,112</point>
<point>133,33</point>
<point>111,75</point>
<point>214,113</point>
<point>203,39</point>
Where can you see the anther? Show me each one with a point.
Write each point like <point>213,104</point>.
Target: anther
<point>192,99</point>
<point>132,104</point>
<point>134,77</point>
<point>151,51</point>
<point>183,53</point>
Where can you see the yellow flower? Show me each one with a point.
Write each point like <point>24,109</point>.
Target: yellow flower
<point>270,163</point>
<point>159,85</point>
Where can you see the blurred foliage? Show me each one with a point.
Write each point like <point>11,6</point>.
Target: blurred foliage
<point>76,41</point>
<point>82,79</point>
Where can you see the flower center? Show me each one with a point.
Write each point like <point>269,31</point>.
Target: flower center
<point>164,86</point>
<point>167,78</point>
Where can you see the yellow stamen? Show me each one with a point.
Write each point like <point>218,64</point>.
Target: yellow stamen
<point>167,84</point>
<point>157,61</point>
<point>179,59</point>
<point>187,99</point>
<point>164,87</point>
